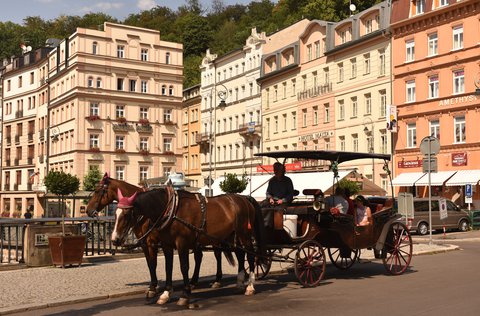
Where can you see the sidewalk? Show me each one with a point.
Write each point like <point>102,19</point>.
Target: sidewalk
<point>35,288</point>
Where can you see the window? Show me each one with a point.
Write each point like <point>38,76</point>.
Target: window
<point>383,103</point>
<point>119,142</point>
<point>410,51</point>
<point>433,87</point>
<point>353,63</point>
<point>382,60</point>
<point>167,144</point>
<point>435,128</point>
<point>133,84</point>
<point>90,82</point>
<point>343,37</point>
<point>355,142</point>
<point>443,3</point>
<point>294,120</point>
<point>120,172</point>
<point>317,49</point>
<point>120,111</point>
<point>167,58</point>
<point>143,143</point>
<point>170,90</point>
<point>419,6</point>
<point>121,51</point>
<point>458,82</point>
<point>367,63</point>
<point>315,115</point>
<point>99,82</point>
<point>432,44</point>
<point>458,37</point>
<point>383,142</point>
<point>94,142</point>
<point>340,72</point>
<point>143,173</point>
<point>327,113</point>
<point>342,143</point>
<point>368,104</point>
<point>285,124</point>
<point>326,75</point>
<point>119,84</point>
<point>309,52</point>
<point>304,114</point>
<point>94,48</point>
<point>275,124</point>
<point>144,113</point>
<point>341,110</point>
<point>412,135</point>
<point>275,93</point>
<point>32,77</point>
<point>144,86</point>
<point>354,106</point>
<point>368,26</point>
<point>410,91</point>
<point>94,109</point>
<point>164,90</point>
<point>144,54</point>
<point>460,136</point>
<point>167,115</point>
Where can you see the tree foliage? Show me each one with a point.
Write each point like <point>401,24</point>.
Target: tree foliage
<point>222,28</point>
<point>61,183</point>
<point>352,186</point>
<point>233,184</point>
<point>91,179</point>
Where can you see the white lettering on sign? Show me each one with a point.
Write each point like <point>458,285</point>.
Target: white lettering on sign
<point>452,101</point>
<point>306,138</point>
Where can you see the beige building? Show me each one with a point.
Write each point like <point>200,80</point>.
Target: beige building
<point>114,102</point>
<point>231,130</point>
<point>190,131</point>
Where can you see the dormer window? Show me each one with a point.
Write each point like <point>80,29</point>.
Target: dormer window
<point>368,26</point>
<point>419,6</point>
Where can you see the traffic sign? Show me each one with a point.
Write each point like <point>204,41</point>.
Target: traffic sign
<point>442,203</point>
<point>433,164</point>
<point>430,145</point>
<point>468,190</point>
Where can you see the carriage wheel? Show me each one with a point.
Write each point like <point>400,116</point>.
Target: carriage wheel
<point>397,251</point>
<point>343,259</point>
<point>263,265</point>
<point>310,263</point>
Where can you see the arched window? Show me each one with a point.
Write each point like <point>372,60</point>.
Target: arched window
<point>99,82</point>
<point>94,48</point>
<point>90,82</point>
<point>164,90</point>
<point>170,90</point>
<point>167,58</point>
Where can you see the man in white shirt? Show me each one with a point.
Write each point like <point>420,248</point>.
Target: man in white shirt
<point>337,201</point>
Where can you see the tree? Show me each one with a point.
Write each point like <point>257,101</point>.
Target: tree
<point>352,186</point>
<point>61,184</point>
<point>91,179</point>
<point>232,184</point>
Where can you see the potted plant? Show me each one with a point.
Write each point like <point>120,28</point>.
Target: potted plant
<point>143,121</point>
<point>232,184</point>
<point>92,117</point>
<point>120,151</point>
<point>94,149</point>
<point>121,119</point>
<point>64,249</point>
<point>144,152</point>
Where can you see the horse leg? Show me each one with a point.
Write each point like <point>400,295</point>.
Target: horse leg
<point>198,256</point>
<point>184,265</point>
<point>250,290</point>
<point>240,254</point>
<point>165,297</point>
<point>218,277</point>
<point>150,251</point>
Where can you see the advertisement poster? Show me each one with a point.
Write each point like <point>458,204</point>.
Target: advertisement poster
<point>392,118</point>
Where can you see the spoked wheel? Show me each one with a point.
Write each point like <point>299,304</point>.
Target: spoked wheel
<point>310,263</point>
<point>397,251</point>
<point>343,258</point>
<point>263,265</point>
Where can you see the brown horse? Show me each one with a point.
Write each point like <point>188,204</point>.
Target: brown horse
<point>185,221</point>
<point>106,193</point>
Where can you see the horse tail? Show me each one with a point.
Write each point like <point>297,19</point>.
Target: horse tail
<point>228,255</point>
<point>259,226</point>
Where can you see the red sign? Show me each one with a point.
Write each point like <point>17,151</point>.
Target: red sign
<point>296,166</point>
<point>459,159</point>
<point>410,163</point>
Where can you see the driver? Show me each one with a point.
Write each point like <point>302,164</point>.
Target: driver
<point>280,187</point>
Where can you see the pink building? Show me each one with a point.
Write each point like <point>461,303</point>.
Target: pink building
<point>436,70</point>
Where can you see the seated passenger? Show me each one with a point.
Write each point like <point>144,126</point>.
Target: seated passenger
<point>337,204</point>
<point>280,187</point>
<point>363,214</point>
<point>351,204</point>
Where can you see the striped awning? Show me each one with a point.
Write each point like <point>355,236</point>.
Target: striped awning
<point>436,178</point>
<point>463,177</point>
<point>407,179</point>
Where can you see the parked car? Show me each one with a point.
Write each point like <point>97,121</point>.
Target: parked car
<point>457,218</point>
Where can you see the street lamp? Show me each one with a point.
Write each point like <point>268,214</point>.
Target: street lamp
<point>222,95</point>
<point>371,141</point>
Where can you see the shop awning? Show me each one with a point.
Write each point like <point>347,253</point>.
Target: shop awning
<point>437,178</point>
<point>463,177</point>
<point>407,179</point>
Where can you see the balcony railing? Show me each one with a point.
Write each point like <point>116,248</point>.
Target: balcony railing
<point>15,187</point>
<point>29,187</point>
<point>18,114</point>
<point>16,162</point>
<point>122,127</point>
<point>41,134</point>
<point>6,187</point>
<point>7,162</point>
<point>250,129</point>
<point>202,137</point>
<point>17,139</point>
<point>40,158</point>
<point>29,161</point>
<point>8,140</point>
<point>30,137</point>
<point>144,128</point>
<point>314,91</point>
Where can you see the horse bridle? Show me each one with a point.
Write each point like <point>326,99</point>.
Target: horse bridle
<point>97,203</point>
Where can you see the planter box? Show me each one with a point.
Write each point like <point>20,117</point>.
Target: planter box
<point>66,250</point>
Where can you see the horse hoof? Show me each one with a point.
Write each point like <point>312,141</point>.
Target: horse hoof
<point>193,306</point>
<point>250,290</point>
<point>216,285</point>
<point>164,298</point>
<point>182,301</point>
<point>151,294</point>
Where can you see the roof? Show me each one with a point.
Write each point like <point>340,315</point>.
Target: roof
<point>339,156</point>
<point>463,177</point>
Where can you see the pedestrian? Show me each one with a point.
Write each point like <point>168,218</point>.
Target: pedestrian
<point>29,213</point>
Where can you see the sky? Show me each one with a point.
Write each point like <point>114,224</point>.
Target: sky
<point>17,10</point>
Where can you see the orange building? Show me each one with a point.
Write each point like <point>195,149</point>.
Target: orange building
<point>436,69</point>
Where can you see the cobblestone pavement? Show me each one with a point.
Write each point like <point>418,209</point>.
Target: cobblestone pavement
<point>33,288</point>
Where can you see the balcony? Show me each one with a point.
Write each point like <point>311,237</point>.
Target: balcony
<point>314,92</point>
<point>122,127</point>
<point>15,187</point>
<point>30,137</point>
<point>16,161</point>
<point>92,118</point>
<point>41,134</point>
<point>29,161</point>
<point>202,138</point>
<point>17,139</point>
<point>18,114</point>
<point>94,149</point>
<point>144,128</point>
<point>250,129</point>
<point>144,152</point>
<point>6,187</point>
<point>7,163</point>
<point>120,151</point>
<point>169,122</point>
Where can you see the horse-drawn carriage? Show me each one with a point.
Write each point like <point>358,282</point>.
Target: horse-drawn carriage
<point>318,228</point>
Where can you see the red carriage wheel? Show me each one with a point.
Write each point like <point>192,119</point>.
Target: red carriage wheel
<point>343,258</point>
<point>397,250</point>
<point>263,265</point>
<point>310,263</point>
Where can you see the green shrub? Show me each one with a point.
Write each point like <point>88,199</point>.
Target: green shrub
<point>232,184</point>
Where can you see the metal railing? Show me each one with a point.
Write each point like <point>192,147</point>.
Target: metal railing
<point>97,231</point>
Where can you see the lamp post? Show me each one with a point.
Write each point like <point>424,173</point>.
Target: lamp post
<point>222,95</point>
<point>371,141</point>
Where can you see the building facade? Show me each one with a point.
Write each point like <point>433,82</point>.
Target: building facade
<point>113,102</point>
<point>190,131</point>
<point>436,67</point>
